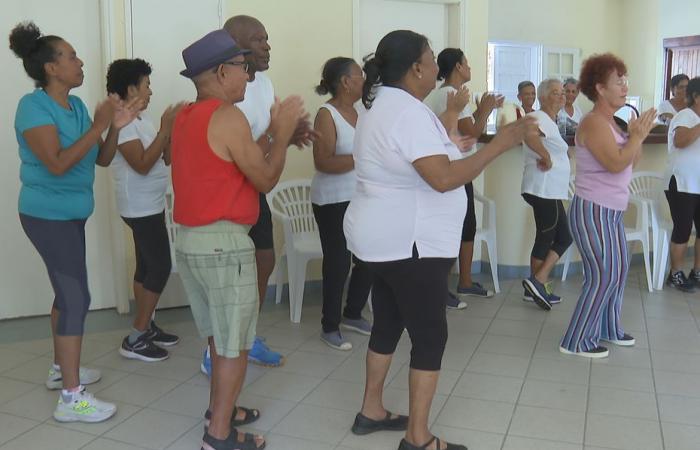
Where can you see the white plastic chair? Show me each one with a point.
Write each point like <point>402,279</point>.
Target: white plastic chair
<point>290,202</point>
<point>487,234</point>
<point>170,225</point>
<point>640,233</point>
<point>647,187</point>
<point>572,247</point>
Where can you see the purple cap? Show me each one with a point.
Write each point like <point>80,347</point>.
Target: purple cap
<point>209,51</point>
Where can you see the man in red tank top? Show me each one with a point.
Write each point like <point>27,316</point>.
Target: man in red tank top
<point>218,171</point>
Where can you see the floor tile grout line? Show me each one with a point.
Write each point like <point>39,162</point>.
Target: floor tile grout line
<point>522,386</point>
<point>653,376</point>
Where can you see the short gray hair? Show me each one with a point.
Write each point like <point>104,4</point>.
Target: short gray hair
<point>545,88</point>
<point>570,80</point>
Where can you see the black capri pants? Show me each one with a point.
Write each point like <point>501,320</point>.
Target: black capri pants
<point>152,246</point>
<point>469,225</point>
<point>552,226</point>
<point>336,266</point>
<point>412,294</point>
<point>61,244</point>
<point>261,232</point>
<point>685,210</point>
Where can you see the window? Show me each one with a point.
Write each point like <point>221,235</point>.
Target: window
<point>681,55</point>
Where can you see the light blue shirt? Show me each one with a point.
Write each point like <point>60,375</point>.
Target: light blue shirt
<point>44,195</point>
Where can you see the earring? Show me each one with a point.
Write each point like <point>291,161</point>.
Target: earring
<point>420,76</point>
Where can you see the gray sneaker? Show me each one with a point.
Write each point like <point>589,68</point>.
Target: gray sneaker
<point>336,340</point>
<point>475,290</point>
<point>360,325</point>
<point>454,303</point>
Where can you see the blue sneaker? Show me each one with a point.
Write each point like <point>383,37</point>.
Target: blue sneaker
<point>205,367</point>
<point>538,291</point>
<point>261,354</point>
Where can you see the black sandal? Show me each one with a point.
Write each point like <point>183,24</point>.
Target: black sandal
<point>251,415</point>
<point>364,425</point>
<point>231,442</point>
<point>405,445</point>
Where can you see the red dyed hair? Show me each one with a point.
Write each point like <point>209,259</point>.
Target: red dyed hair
<point>596,69</point>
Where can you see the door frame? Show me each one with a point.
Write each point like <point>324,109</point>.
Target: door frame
<point>356,22</point>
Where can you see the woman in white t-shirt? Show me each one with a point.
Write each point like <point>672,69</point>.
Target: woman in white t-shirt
<point>141,177</point>
<point>331,190</point>
<point>570,114</point>
<point>545,184</point>
<point>405,221</point>
<point>669,108</point>
<point>455,72</point>
<point>683,192</point>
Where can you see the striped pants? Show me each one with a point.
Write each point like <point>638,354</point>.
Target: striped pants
<point>599,234</point>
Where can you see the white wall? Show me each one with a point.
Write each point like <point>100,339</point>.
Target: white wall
<point>24,285</point>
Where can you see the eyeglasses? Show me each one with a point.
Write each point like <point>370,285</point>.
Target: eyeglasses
<point>623,82</point>
<point>244,65</point>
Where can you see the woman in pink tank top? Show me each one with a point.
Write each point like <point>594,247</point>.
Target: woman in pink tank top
<point>604,159</point>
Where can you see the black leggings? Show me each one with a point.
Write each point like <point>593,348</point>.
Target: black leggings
<point>469,225</point>
<point>552,226</point>
<point>152,247</point>
<point>411,293</point>
<point>685,209</point>
<point>336,265</point>
<point>61,244</point>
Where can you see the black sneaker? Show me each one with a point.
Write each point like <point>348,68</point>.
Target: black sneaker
<point>143,349</point>
<point>680,282</point>
<point>598,352</point>
<point>160,337</point>
<point>694,277</point>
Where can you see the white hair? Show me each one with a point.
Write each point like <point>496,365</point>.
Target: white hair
<point>545,88</point>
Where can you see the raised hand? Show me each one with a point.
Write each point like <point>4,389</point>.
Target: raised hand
<point>104,112</point>
<point>463,143</point>
<point>286,117</point>
<point>124,113</point>
<point>304,134</point>
<point>457,100</point>
<point>168,117</point>
<point>642,125</point>
<point>514,133</point>
<point>489,101</point>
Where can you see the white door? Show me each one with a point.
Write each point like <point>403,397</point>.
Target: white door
<point>513,63</point>
<point>160,42</point>
<point>376,18</point>
<point>24,285</point>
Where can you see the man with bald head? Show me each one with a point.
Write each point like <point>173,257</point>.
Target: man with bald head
<point>251,34</point>
<point>218,172</point>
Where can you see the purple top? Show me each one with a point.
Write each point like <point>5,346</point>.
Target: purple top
<point>597,184</point>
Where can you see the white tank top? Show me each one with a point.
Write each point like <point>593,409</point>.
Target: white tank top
<point>327,188</point>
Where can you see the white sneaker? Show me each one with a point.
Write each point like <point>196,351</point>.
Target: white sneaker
<point>87,376</point>
<point>84,408</point>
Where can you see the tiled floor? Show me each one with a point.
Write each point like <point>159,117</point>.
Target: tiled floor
<point>504,384</point>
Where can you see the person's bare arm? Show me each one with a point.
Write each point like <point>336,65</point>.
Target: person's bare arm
<point>596,135</point>
<point>142,161</point>
<point>444,175</point>
<point>684,136</point>
<point>122,114</point>
<point>44,143</point>
<point>229,133</point>
<point>325,159</point>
